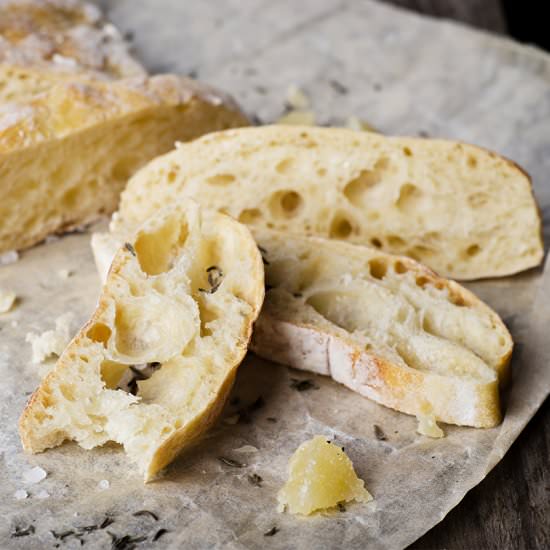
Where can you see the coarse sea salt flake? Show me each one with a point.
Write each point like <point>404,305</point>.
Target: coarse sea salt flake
<point>104,484</point>
<point>35,475</point>
<point>20,494</point>
<point>43,494</point>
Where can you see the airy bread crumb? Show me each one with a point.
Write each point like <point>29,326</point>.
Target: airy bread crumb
<point>51,342</point>
<point>7,300</point>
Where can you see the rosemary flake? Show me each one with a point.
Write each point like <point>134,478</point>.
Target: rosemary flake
<point>22,532</point>
<point>159,534</point>
<point>338,87</point>
<point>379,433</point>
<point>273,531</point>
<point>125,542</point>
<point>230,462</point>
<point>303,385</point>
<point>130,249</point>
<point>255,480</point>
<point>146,513</point>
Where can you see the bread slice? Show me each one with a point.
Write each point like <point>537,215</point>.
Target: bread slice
<point>65,155</point>
<point>172,324</point>
<point>464,211</point>
<point>384,326</point>
<point>63,36</point>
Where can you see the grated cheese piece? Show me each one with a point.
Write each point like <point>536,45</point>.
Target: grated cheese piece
<point>321,476</point>
<point>427,424</point>
<point>298,118</point>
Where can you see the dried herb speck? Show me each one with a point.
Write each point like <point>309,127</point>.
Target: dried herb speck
<point>255,480</point>
<point>341,507</point>
<point>125,542</point>
<point>379,433</point>
<point>338,87</point>
<point>106,522</point>
<point>215,277</point>
<point>245,413</point>
<point>230,462</point>
<point>273,531</point>
<point>22,531</point>
<point>271,419</point>
<point>159,534</point>
<point>130,249</point>
<point>302,385</point>
<point>146,513</point>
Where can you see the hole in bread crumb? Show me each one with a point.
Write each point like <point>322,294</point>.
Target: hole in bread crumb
<point>478,200</point>
<point>124,168</point>
<point>473,250</point>
<point>99,332</point>
<point>340,228</point>
<point>321,172</point>
<point>67,392</point>
<point>285,204</point>
<point>395,241</point>
<point>400,267</point>
<point>356,189</point>
<point>171,176</point>
<point>407,152</point>
<point>250,215</point>
<point>409,197</point>
<point>419,252</point>
<point>221,179</point>
<point>472,161</point>
<point>284,166</point>
<point>378,268</point>
<point>156,251</point>
<point>377,243</point>
<point>422,281</point>
<point>70,197</point>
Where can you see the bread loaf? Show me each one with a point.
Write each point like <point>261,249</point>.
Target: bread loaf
<point>153,366</point>
<point>66,154</point>
<point>384,326</point>
<point>464,211</point>
<point>63,36</point>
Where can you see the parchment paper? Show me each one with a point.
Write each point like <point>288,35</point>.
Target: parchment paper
<point>404,74</point>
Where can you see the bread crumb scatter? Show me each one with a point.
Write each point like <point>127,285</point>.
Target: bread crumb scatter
<point>321,476</point>
<point>35,475</point>
<point>298,118</point>
<point>296,98</point>
<point>51,342</point>
<point>9,257</point>
<point>7,299</point>
<point>427,426</point>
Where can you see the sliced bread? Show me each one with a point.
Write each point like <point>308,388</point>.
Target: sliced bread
<point>462,210</point>
<point>384,326</point>
<point>153,366</point>
<point>65,155</point>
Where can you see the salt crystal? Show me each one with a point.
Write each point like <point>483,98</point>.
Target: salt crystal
<point>43,494</point>
<point>34,475</point>
<point>20,494</point>
<point>9,257</point>
<point>104,484</point>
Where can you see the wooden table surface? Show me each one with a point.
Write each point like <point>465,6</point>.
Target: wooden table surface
<point>510,509</point>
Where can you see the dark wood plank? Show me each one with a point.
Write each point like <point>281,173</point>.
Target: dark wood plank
<point>484,14</point>
<point>510,509</point>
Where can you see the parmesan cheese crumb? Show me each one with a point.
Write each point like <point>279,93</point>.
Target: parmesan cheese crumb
<point>7,299</point>
<point>9,257</point>
<point>34,475</point>
<point>51,342</point>
<point>20,494</point>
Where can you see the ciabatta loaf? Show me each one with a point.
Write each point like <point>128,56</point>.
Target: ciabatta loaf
<point>384,326</point>
<point>65,155</point>
<point>63,36</point>
<point>462,210</point>
<point>153,366</point>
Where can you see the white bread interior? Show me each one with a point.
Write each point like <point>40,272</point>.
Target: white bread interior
<point>178,304</point>
<point>66,154</point>
<point>464,211</point>
<point>384,326</point>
